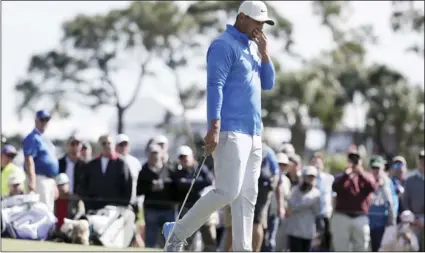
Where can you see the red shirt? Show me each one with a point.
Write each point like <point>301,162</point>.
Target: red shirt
<point>61,211</point>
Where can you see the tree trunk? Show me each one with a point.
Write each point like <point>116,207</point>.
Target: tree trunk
<point>120,119</point>
<point>298,137</point>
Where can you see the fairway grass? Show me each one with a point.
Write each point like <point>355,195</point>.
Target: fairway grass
<point>25,245</point>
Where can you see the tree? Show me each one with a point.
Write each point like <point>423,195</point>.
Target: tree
<point>395,108</point>
<point>406,17</point>
<point>93,49</point>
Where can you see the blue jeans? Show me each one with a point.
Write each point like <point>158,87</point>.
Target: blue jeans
<point>269,244</point>
<point>376,235</point>
<point>154,219</point>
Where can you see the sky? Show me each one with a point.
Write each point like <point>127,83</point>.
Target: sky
<point>33,27</point>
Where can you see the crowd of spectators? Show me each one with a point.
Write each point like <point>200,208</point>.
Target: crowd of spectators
<point>300,207</point>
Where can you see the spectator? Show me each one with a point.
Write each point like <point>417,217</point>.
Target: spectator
<point>304,207</point>
<point>15,182</point>
<point>277,234</point>
<point>72,165</point>
<point>8,153</point>
<point>414,199</point>
<point>107,179</point>
<point>123,148</point>
<point>400,238</point>
<point>350,224</point>
<point>162,141</point>
<point>398,172</point>
<point>41,162</point>
<point>154,182</point>
<point>381,211</point>
<point>86,151</point>
<point>287,148</point>
<point>294,169</point>
<point>267,183</point>
<point>182,177</point>
<point>68,205</point>
<point>324,183</point>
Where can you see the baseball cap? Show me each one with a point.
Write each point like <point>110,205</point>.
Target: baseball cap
<point>154,148</point>
<point>9,149</point>
<point>122,138</point>
<point>282,158</point>
<point>295,159</point>
<point>399,159</point>
<point>377,164</point>
<point>62,178</point>
<point>184,150</point>
<point>15,178</point>
<point>422,154</point>
<point>309,171</point>
<point>160,139</point>
<point>256,10</point>
<point>407,216</point>
<point>43,114</point>
<point>74,138</point>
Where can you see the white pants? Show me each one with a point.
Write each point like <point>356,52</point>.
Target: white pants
<point>348,231</point>
<point>237,164</point>
<point>45,187</point>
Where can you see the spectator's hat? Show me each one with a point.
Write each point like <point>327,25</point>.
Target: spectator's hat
<point>9,150</point>
<point>407,216</point>
<point>43,114</point>
<point>154,148</point>
<point>294,159</point>
<point>378,163</point>
<point>310,171</point>
<point>16,178</point>
<point>184,151</point>
<point>422,154</point>
<point>161,139</point>
<point>282,158</point>
<point>256,10</point>
<point>122,138</point>
<point>287,148</point>
<point>399,159</point>
<point>86,145</point>
<point>61,179</point>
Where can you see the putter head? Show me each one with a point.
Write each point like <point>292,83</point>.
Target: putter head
<point>167,228</point>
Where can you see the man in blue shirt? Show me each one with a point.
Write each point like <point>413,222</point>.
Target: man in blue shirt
<point>41,163</point>
<point>238,68</point>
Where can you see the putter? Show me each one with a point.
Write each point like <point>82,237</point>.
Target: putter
<point>194,177</point>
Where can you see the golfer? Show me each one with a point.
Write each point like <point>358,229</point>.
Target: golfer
<point>238,67</point>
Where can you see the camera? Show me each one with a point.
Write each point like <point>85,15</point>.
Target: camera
<point>354,158</point>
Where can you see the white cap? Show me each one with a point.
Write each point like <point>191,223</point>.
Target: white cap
<point>184,150</point>
<point>16,178</point>
<point>62,178</point>
<point>154,148</point>
<point>310,171</point>
<point>282,158</point>
<point>122,138</point>
<point>256,10</point>
<point>407,216</point>
<point>161,139</point>
<point>287,148</point>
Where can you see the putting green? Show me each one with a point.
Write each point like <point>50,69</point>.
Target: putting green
<point>25,245</point>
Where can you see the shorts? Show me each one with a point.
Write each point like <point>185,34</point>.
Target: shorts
<point>262,206</point>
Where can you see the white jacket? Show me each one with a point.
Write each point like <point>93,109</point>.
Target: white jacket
<point>392,242</point>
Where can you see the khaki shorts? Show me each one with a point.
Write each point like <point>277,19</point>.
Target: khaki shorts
<point>227,216</point>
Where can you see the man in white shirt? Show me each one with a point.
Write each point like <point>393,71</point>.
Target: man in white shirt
<point>123,148</point>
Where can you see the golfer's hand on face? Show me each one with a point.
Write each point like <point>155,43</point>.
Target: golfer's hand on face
<point>211,140</point>
<point>261,40</point>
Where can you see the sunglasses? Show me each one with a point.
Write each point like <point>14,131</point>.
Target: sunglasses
<point>375,168</point>
<point>123,144</point>
<point>10,155</point>
<point>44,120</point>
<point>397,166</point>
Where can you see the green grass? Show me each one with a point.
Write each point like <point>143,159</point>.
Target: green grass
<point>25,245</point>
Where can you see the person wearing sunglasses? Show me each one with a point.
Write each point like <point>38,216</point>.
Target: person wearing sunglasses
<point>397,173</point>
<point>8,168</point>
<point>41,162</point>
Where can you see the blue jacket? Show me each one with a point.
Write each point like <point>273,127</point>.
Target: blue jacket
<point>235,77</point>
